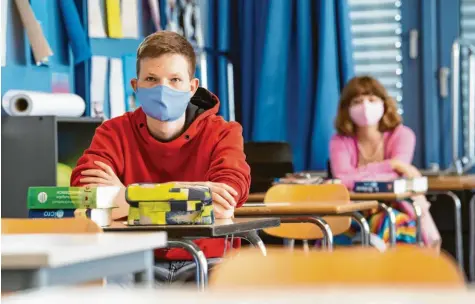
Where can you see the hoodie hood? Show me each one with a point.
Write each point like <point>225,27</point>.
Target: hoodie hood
<point>202,104</point>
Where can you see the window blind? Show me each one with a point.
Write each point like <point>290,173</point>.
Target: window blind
<point>376,38</point>
<point>467,31</point>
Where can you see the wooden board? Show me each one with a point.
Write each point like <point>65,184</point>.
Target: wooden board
<point>381,196</point>
<point>451,182</point>
<point>306,208</point>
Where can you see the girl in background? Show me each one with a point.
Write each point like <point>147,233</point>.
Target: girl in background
<point>373,144</point>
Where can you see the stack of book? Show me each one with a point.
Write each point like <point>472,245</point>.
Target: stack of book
<point>95,203</point>
<point>304,179</point>
<point>398,186</point>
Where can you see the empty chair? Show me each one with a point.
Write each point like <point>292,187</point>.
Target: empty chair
<point>329,193</point>
<point>268,161</point>
<point>405,266</point>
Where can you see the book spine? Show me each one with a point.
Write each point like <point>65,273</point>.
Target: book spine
<point>62,198</point>
<point>373,187</point>
<point>61,213</point>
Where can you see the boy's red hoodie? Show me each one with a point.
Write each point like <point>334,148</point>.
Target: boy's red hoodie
<point>210,149</point>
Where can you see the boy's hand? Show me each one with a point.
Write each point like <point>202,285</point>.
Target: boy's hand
<point>104,176</point>
<point>221,213</point>
<point>222,194</point>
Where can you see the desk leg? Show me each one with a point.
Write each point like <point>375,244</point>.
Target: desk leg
<point>289,243</point>
<point>146,277</point>
<point>392,223</point>
<point>327,232</point>
<point>418,213</point>
<point>253,238</point>
<point>320,222</point>
<point>458,224</point>
<point>364,228</point>
<point>472,238</point>
<point>199,258</point>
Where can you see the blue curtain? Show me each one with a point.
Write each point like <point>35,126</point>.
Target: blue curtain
<point>291,59</point>
<point>217,38</point>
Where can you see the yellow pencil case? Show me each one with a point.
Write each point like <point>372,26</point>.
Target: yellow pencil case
<point>169,204</point>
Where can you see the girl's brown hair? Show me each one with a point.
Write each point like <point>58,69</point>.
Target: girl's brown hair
<point>365,85</point>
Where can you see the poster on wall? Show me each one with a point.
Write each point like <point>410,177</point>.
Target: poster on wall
<point>183,17</point>
<point>3,32</point>
<point>99,65</point>
<point>191,20</point>
<point>173,11</point>
<point>96,21</point>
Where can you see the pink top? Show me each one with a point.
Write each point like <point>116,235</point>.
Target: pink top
<point>398,144</point>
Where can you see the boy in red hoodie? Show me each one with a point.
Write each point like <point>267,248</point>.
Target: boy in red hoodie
<point>174,136</point>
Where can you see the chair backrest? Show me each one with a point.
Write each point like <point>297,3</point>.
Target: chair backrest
<point>68,225</point>
<point>268,160</point>
<point>406,266</point>
<point>330,193</point>
<point>329,170</point>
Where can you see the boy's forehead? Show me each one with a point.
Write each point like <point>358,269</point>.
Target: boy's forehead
<point>167,63</point>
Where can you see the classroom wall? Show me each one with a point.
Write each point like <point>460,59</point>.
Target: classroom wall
<point>20,71</point>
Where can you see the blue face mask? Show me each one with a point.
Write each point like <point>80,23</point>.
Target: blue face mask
<point>162,102</point>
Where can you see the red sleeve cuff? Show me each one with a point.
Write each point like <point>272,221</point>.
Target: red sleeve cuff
<point>243,192</point>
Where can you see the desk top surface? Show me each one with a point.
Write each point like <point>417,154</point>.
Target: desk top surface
<point>256,197</point>
<point>33,251</point>
<point>326,295</point>
<point>303,208</point>
<point>221,227</point>
<point>381,196</point>
<point>451,182</point>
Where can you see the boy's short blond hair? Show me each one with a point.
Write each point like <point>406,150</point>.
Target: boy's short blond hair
<point>166,42</point>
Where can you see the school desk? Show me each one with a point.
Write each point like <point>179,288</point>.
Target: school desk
<point>255,295</point>
<point>391,197</point>
<point>308,212</point>
<point>256,197</point>
<point>259,197</point>
<point>43,260</point>
<point>180,236</point>
<point>445,185</point>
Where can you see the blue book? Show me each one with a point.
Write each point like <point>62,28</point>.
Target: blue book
<point>59,213</point>
<point>396,186</point>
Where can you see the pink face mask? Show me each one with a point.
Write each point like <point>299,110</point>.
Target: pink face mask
<point>367,113</point>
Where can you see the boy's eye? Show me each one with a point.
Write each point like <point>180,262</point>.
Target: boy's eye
<point>176,79</point>
<point>149,78</point>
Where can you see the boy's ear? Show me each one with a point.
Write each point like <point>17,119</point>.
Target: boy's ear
<point>133,83</point>
<point>194,83</point>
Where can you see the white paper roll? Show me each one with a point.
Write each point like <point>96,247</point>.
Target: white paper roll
<point>102,217</point>
<point>31,103</point>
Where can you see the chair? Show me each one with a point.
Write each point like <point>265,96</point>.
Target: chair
<point>335,193</point>
<point>405,266</point>
<point>329,170</point>
<point>268,161</point>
